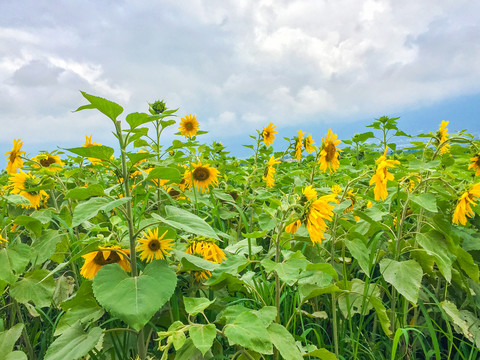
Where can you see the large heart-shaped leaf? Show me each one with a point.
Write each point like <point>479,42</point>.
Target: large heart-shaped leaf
<point>134,299</point>
<point>405,276</point>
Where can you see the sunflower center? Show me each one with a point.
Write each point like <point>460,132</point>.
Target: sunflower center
<point>154,245</point>
<point>266,133</point>
<point>47,162</point>
<point>201,173</point>
<point>331,150</point>
<point>189,126</point>
<point>111,259</point>
<point>13,156</point>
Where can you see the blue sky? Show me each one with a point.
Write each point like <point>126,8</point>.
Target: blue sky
<point>238,65</point>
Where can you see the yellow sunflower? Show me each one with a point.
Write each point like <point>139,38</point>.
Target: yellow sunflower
<point>95,260</point>
<point>475,165</point>
<point>315,213</point>
<point>381,176</point>
<point>188,126</point>
<point>298,145</point>
<point>46,160</point>
<point>202,176</point>
<point>330,153</point>
<point>268,134</point>
<point>14,157</point>
<point>2,239</point>
<point>270,171</point>
<point>442,135</point>
<point>208,250</point>
<point>464,205</point>
<point>153,246</point>
<point>21,182</point>
<point>336,189</point>
<point>88,143</point>
<point>309,144</point>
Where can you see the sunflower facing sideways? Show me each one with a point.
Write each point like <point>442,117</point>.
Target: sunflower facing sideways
<point>464,205</point>
<point>208,250</point>
<point>382,176</point>
<point>268,134</point>
<point>316,211</point>
<point>154,246</point>
<point>14,157</point>
<point>309,144</point>
<point>475,165</point>
<point>202,176</point>
<point>299,145</point>
<point>188,126</point>
<point>270,172</point>
<point>21,182</point>
<point>95,260</point>
<point>442,136</point>
<point>46,160</point>
<point>329,153</point>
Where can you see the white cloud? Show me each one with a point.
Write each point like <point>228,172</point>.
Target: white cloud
<point>236,64</point>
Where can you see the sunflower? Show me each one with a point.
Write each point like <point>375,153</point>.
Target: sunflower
<point>381,176</point>
<point>336,189</point>
<point>329,154</point>
<point>442,136</point>
<point>309,144</point>
<point>21,182</point>
<point>46,160</point>
<point>2,239</point>
<point>270,171</point>
<point>188,126</point>
<point>95,260</point>
<point>14,157</point>
<point>268,134</point>
<point>298,145</point>
<point>475,165</point>
<point>464,205</point>
<point>315,213</point>
<point>202,176</point>
<point>208,250</point>
<point>89,143</point>
<point>154,246</point>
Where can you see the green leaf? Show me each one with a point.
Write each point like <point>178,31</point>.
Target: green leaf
<point>381,314</point>
<point>45,245</point>
<point>194,306</point>
<point>74,343</point>
<point>165,173</point>
<point>255,234</point>
<point>134,299</point>
<point>427,201</point>
<point>322,354</point>
<point>188,352</point>
<point>137,119</point>
<point>466,322</point>
<point>98,152</point>
<point>29,223</point>
<point>249,331</point>
<point>233,265</point>
<point>107,107</point>
<point>35,287</point>
<point>178,339</point>
<point>405,276</point>
<point>85,193</point>
<point>186,221</point>
<point>136,157</point>
<point>203,336</point>
<point>284,342</point>
<point>192,262</point>
<point>87,210</point>
<point>13,261</point>
<point>434,244</point>
<point>16,199</point>
<point>361,253</point>
<point>468,264</point>
<point>8,339</point>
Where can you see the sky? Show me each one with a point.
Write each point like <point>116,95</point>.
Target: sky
<point>237,65</point>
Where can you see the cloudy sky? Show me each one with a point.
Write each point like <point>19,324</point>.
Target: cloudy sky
<point>238,65</point>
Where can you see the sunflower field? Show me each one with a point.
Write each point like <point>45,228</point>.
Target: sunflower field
<point>328,249</point>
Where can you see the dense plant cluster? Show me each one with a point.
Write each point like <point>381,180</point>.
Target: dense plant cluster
<point>324,251</point>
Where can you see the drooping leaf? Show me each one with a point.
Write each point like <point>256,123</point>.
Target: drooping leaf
<point>45,245</point>
<point>35,287</point>
<point>434,243</point>
<point>88,209</point>
<point>426,201</point>
<point>284,342</point>
<point>405,276</point>
<point>192,262</point>
<point>8,338</point>
<point>134,299</point>
<point>194,305</point>
<point>13,261</point>
<point>165,173</point>
<point>203,336</point>
<point>74,343</point>
<point>361,253</point>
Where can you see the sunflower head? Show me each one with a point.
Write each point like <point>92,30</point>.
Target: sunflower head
<point>442,136</point>
<point>157,107</point>
<point>14,157</point>
<point>336,189</point>
<point>268,134</point>
<point>48,161</point>
<point>23,184</point>
<point>475,164</point>
<point>95,260</point>
<point>153,246</point>
<point>299,145</point>
<point>464,205</point>
<point>309,144</point>
<point>202,176</point>
<point>188,126</point>
<point>207,249</point>
<point>329,153</point>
